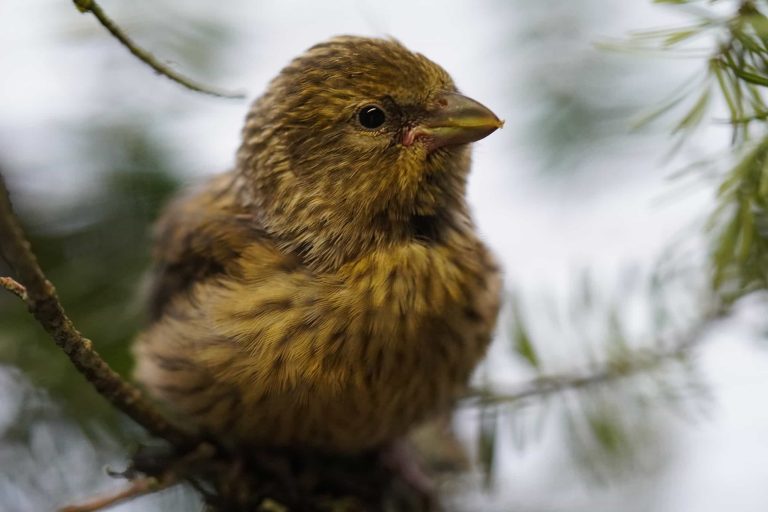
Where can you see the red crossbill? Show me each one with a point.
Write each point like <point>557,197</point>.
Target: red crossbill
<point>331,291</point>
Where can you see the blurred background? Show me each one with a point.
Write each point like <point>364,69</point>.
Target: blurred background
<point>603,239</point>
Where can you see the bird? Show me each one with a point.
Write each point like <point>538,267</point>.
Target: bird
<point>330,292</point>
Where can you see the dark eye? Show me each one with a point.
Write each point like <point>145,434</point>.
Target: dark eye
<point>371,116</point>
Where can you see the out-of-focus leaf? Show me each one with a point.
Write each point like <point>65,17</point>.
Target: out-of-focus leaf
<point>520,335</point>
<point>694,116</point>
<point>486,449</point>
<point>608,432</point>
<point>96,252</point>
<point>680,36</point>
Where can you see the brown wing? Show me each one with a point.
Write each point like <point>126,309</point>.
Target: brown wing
<point>198,236</point>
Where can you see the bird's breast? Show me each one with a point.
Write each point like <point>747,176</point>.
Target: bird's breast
<point>342,362</point>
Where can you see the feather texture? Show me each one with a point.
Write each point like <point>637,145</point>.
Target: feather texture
<point>330,292</point>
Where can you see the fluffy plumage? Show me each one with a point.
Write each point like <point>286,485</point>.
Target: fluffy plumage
<point>330,292</point>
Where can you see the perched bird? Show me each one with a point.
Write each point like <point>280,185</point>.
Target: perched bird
<point>331,291</point>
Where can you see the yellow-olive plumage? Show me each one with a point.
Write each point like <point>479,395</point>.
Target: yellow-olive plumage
<point>330,292</point>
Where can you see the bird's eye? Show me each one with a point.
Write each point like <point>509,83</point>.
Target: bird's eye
<point>371,116</point>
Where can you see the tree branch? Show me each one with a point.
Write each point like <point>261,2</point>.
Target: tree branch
<point>14,287</point>
<point>40,297</point>
<point>138,487</point>
<point>633,363</point>
<point>146,57</point>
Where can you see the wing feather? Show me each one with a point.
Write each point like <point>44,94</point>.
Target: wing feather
<point>200,235</point>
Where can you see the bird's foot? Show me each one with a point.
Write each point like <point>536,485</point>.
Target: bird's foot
<point>402,460</point>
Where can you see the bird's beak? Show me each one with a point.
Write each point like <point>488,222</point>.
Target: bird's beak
<point>455,119</point>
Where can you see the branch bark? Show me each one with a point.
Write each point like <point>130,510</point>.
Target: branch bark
<point>42,301</point>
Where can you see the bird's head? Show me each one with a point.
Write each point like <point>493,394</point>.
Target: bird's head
<point>356,143</point>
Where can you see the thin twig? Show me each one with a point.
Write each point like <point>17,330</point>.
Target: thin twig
<point>14,287</point>
<point>138,487</point>
<point>639,361</point>
<point>44,305</point>
<point>146,57</point>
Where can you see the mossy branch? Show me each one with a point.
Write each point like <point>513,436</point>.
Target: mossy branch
<point>91,6</point>
<point>40,296</point>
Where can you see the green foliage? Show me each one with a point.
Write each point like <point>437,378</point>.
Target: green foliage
<point>486,443</point>
<point>734,76</point>
<point>740,256</point>
<point>95,250</point>
<point>521,336</point>
<point>610,406</point>
<point>93,243</point>
<point>577,99</point>
<point>619,382</point>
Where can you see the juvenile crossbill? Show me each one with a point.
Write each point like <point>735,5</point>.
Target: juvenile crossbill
<point>330,292</point>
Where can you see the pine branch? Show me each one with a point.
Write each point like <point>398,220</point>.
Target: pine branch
<point>91,6</point>
<point>631,364</point>
<point>43,303</point>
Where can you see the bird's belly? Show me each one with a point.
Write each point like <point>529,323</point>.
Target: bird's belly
<point>376,397</point>
<point>292,361</point>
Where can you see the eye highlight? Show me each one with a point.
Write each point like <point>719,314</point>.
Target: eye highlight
<point>371,116</point>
